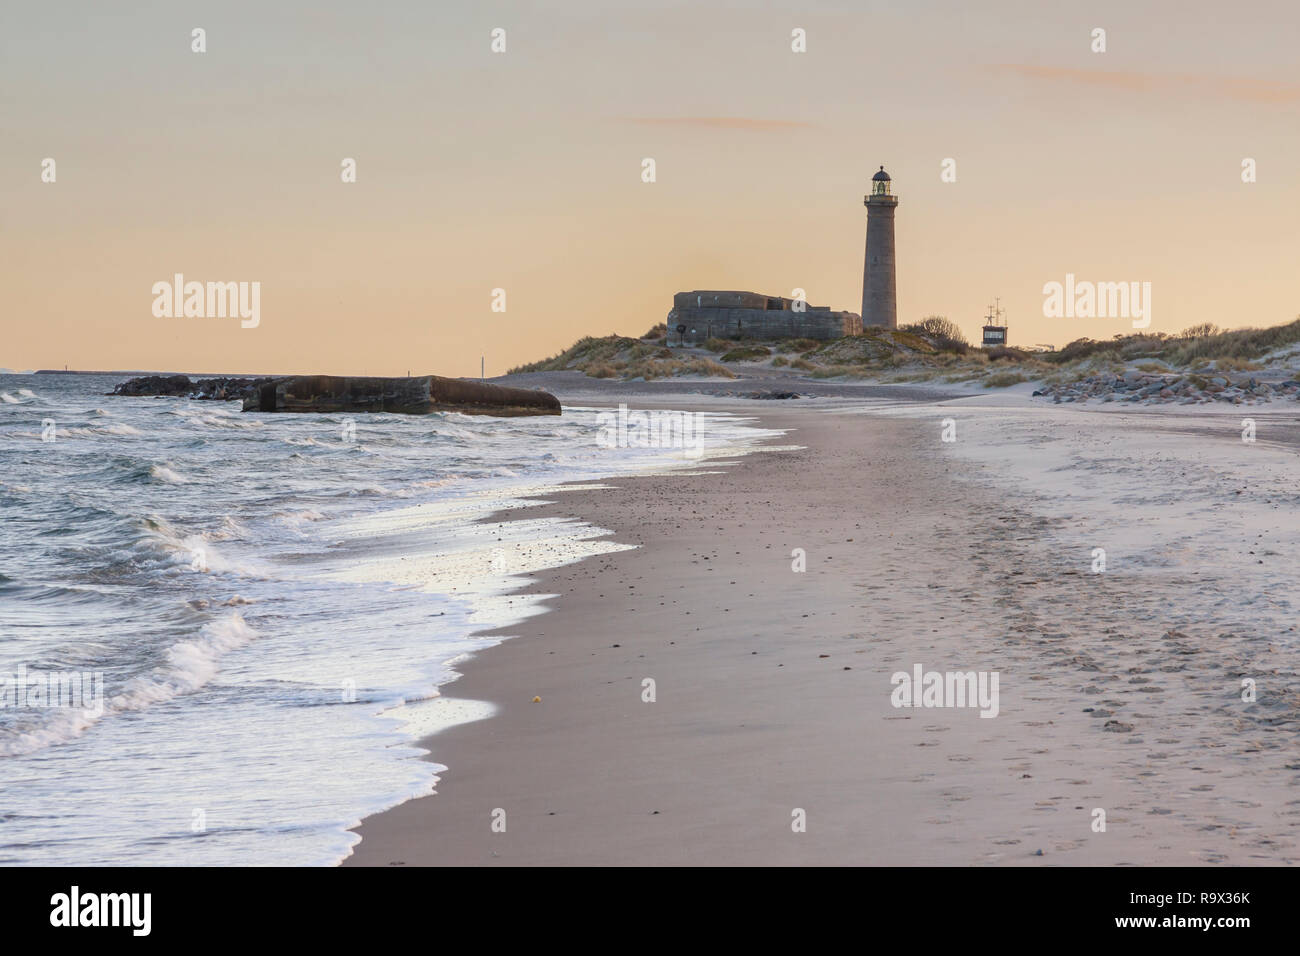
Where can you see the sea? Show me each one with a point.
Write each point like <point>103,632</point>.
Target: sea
<point>224,634</point>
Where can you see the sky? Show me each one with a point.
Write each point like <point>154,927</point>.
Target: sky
<point>523,170</point>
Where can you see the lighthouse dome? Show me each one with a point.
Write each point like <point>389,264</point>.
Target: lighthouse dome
<point>880,177</point>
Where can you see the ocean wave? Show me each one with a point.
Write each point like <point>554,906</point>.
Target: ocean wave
<point>58,726</point>
<point>230,528</point>
<point>187,666</point>
<point>235,600</point>
<point>213,421</point>
<point>162,546</point>
<point>118,428</point>
<point>88,523</point>
<point>449,429</point>
<point>214,417</point>
<point>166,475</point>
<point>372,490</point>
<point>294,517</point>
<point>94,431</point>
<point>61,595</point>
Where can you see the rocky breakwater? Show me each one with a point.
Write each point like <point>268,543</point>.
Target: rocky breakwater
<point>1173,388</point>
<point>218,389</point>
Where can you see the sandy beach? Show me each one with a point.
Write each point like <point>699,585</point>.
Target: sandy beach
<point>772,739</point>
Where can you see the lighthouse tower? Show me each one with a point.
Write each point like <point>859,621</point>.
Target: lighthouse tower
<point>879,298</point>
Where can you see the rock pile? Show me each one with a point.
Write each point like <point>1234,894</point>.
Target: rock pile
<point>211,389</point>
<point>765,395</point>
<point>1156,388</point>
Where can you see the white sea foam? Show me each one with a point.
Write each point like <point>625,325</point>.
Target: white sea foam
<point>167,475</point>
<point>424,718</point>
<point>295,517</point>
<point>182,551</point>
<point>214,417</point>
<point>215,421</point>
<point>97,431</point>
<point>188,666</point>
<point>230,528</point>
<point>58,726</point>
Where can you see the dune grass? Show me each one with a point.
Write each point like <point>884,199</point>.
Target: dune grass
<point>930,351</point>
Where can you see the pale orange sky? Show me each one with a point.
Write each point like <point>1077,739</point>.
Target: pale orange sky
<point>522,170</point>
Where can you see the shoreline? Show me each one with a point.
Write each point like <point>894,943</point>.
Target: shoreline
<point>581,656</point>
<point>773,687</point>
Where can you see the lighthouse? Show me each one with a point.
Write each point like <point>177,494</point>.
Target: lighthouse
<point>879,298</point>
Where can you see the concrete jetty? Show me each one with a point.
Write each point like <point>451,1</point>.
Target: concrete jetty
<point>417,395</point>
